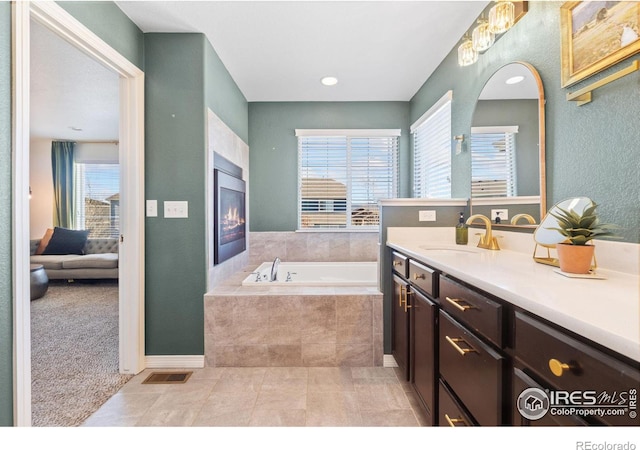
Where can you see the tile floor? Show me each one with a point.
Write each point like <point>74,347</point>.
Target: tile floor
<point>262,397</point>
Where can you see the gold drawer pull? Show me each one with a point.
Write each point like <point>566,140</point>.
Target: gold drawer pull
<point>453,422</point>
<point>462,351</point>
<point>419,277</point>
<point>397,263</point>
<point>455,302</point>
<point>558,368</point>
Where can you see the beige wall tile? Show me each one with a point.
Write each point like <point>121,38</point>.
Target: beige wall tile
<point>319,355</point>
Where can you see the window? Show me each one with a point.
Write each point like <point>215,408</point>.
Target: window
<point>342,174</point>
<point>97,198</point>
<point>432,151</point>
<point>493,166</point>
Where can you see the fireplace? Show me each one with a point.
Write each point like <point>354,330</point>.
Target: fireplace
<point>229,216</point>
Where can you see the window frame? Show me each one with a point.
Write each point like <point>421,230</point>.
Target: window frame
<point>509,133</point>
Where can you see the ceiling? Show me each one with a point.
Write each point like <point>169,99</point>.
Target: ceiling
<point>274,50</point>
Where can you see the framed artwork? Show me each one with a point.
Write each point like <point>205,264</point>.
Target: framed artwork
<point>596,35</point>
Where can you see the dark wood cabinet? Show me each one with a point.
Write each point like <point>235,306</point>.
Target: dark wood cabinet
<point>424,351</point>
<point>400,325</point>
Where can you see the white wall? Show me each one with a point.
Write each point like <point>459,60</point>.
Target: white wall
<point>41,178</point>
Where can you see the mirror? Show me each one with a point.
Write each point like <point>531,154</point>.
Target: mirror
<point>507,147</point>
<point>546,236</point>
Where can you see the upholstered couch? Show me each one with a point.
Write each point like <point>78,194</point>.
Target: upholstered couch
<point>99,261</point>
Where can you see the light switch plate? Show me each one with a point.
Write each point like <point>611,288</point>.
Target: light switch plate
<point>173,210</point>
<point>427,216</point>
<point>152,208</point>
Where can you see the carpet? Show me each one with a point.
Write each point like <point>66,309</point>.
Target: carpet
<point>74,352</point>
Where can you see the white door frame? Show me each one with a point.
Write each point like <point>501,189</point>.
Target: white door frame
<point>131,260</point>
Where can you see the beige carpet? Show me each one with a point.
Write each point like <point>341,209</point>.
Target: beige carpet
<point>74,352</point>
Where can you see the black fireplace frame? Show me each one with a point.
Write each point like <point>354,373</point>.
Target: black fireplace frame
<point>227,176</point>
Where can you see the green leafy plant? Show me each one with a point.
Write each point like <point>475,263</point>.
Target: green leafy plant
<point>580,228</point>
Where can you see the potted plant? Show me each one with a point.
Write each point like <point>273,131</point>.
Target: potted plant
<point>576,252</point>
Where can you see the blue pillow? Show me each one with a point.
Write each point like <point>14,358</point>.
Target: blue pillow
<point>66,242</point>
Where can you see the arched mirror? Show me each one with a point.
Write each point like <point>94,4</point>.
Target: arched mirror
<point>507,148</point>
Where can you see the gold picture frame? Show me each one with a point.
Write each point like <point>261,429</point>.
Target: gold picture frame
<point>596,35</point>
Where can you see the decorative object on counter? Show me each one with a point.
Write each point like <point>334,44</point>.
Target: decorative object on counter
<point>569,227</point>
<point>462,231</point>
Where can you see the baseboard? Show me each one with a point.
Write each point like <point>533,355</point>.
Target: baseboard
<point>389,361</point>
<point>174,361</point>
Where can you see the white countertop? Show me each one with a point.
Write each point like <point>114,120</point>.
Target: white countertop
<point>604,311</point>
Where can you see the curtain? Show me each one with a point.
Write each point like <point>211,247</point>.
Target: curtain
<point>63,173</point>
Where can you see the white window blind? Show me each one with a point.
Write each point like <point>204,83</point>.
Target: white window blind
<point>432,151</point>
<point>493,166</point>
<point>341,178</point>
<point>97,198</point>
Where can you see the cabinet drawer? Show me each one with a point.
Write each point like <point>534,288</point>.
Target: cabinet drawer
<point>473,309</point>
<point>473,371</point>
<point>543,349</point>
<point>451,413</point>
<point>423,277</point>
<point>400,264</point>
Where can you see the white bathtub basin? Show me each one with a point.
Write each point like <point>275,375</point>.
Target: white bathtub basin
<point>316,274</point>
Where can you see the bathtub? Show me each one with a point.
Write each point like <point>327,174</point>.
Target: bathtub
<point>316,274</point>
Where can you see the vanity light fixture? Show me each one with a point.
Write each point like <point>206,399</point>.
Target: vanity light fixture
<point>482,37</point>
<point>329,81</point>
<point>501,17</point>
<point>467,55</point>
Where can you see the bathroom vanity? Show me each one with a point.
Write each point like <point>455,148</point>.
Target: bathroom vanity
<point>473,329</point>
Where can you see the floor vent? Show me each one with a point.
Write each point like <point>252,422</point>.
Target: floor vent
<point>167,378</point>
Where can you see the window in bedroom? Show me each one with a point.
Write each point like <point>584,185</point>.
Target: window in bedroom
<point>342,174</point>
<point>97,196</point>
<point>432,151</point>
<point>493,164</point>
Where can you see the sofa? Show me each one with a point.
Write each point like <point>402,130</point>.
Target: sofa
<point>99,261</point>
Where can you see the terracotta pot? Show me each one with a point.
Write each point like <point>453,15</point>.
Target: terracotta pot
<point>575,258</point>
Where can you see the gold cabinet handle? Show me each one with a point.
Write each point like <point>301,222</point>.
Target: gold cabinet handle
<point>419,277</point>
<point>453,422</point>
<point>397,263</point>
<point>558,368</point>
<point>462,351</point>
<point>402,295</point>
<point>406,300</point>
<point>455,302</point>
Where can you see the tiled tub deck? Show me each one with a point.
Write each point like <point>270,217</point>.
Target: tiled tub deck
<point>262,326</point>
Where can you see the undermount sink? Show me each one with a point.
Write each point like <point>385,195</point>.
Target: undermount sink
<point>446,249</point>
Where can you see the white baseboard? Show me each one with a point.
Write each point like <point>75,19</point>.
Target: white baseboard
<point>174,361</point>
<point>389,361</point>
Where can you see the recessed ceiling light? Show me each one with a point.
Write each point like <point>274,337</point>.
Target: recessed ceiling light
<point>76,128</point>
<point>329,81</point>
<point>515,80</point>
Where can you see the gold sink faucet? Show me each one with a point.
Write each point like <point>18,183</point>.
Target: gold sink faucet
<point>487,241</point>
<point>528,218</point>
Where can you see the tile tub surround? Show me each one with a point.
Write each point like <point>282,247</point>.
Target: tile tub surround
<point>312,246</point>
<point>247,326</point>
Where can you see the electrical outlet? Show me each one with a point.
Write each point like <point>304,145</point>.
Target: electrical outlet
<point>176,210</point>
<point>504,215</point>
<point>152,208</point>
<point>427,216</point>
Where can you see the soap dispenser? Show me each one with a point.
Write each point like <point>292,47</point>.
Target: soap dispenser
<point>462,231</point>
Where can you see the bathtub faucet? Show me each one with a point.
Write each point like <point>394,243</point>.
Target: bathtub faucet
<point>274,269</point>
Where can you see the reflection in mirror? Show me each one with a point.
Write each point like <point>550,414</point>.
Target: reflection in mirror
<point>507,146</point>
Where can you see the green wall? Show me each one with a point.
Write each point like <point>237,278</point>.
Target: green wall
<point>113,26</point>
<point>6,307</point>
<point>274,150</point>
<point>591,150</point>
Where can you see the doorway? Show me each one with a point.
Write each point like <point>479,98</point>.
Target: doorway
<point>131,155</point>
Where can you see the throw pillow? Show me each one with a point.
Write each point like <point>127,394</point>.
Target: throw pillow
<point>44,241</point>
<point>66,242</point>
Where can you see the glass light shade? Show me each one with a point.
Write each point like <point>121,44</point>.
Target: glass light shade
<point>482,38</point>
<point>501,17</point>
<point>466,53</point>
